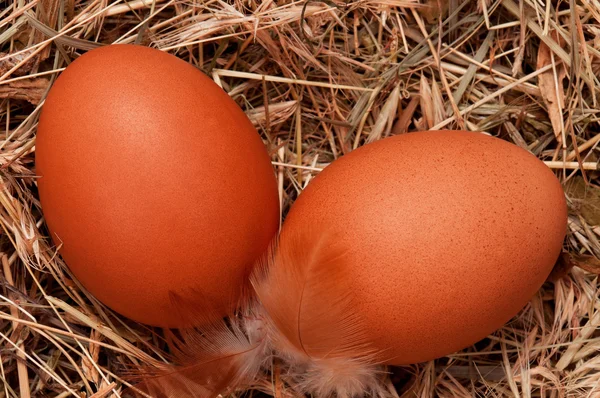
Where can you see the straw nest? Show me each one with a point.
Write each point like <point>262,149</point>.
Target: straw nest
<point>318,79</point>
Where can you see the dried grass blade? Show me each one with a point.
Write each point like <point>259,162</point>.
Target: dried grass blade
<point>426,102</point>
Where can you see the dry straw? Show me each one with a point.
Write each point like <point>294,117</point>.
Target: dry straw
<point>319,79</point>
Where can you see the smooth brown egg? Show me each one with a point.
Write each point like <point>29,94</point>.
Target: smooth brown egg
<point>430,240</point>
<point>152,181</point>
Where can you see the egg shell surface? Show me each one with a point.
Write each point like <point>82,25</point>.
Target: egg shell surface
<point>153,181</point>
<point>443,237</point>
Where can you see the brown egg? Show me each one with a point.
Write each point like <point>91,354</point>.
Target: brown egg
<point>152,181</point>
<point>430,240</point>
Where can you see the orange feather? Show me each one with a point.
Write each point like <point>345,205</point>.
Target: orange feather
<point>301,310</point>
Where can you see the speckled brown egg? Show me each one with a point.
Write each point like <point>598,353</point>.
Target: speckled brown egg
<point>432,240</point>
<point>152,182</point>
